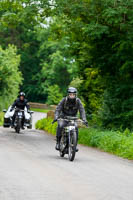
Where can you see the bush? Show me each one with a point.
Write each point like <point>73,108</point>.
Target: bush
<point>1,118</point>
<point>46,125</point>
<point>118,143</point>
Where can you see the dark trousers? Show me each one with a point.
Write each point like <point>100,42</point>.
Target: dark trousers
<point>61,125</point>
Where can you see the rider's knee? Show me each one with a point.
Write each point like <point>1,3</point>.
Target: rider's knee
<point>60,124</point>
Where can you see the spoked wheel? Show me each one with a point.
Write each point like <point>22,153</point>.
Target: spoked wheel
<point>62,148</point>
<point>72,146</point>
<point>17,128</point>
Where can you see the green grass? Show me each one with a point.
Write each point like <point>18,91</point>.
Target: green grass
<point>115,142</point>
<point>1,118</point>
<point>40,110</point>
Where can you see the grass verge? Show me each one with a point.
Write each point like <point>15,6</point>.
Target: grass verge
<point>1,118</point>
<point>40,110</point>
<point>115,142</point>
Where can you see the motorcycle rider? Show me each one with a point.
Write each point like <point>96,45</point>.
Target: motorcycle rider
<point>20,103</point>
<point>68,106</point>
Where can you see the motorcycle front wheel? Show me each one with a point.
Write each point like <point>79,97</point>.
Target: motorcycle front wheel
<point>17,128</point>
<point>62,147</point>
<point>72,145</point>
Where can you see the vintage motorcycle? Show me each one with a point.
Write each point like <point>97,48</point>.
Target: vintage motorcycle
<point>68,141</point>
<point>19,117</point>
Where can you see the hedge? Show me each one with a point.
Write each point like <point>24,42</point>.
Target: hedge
<point>1,118</point>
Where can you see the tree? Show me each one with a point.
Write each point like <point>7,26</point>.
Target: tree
<point>57,66</point>
<point>19,20</point>
<point>54,95</point>
<point>10,76</point>
<point>103,47</point>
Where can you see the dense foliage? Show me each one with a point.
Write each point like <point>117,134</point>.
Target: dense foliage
<point>1,118</point>
<point>10,77</point>
<point>84,43</point>
<point>103,49</point>
<point>43,63</point>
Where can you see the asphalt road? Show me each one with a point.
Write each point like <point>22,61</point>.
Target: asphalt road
<point>31,169</point>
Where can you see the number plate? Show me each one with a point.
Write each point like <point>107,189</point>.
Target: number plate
<point>71,127</point>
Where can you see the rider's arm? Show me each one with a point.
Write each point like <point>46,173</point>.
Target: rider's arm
<point>59,108</point>
<point>82,111</point>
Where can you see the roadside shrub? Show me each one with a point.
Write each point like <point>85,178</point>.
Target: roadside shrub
<point>118,143</point>
<point>46,125</point>
<point>1,118</point>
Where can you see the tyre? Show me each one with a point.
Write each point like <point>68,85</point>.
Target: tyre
<point>72,145</point>
<point>17,128</point>
<point>62,147</point>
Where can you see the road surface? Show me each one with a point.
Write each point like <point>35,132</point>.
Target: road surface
<point>31,169</point>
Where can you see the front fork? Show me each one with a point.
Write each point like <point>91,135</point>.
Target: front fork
<point>70,133</point>
<point>17,120</point>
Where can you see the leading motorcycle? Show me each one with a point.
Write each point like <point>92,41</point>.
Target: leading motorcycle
<point>68,141</point>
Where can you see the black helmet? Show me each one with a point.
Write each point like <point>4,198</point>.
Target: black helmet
<point>72,90</point>
<point>22,94</point>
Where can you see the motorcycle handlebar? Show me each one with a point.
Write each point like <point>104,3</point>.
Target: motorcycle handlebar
<point>19,110</point>
<point>70,118</point>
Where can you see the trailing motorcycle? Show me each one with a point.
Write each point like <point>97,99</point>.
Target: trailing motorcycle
<point>19,117</point>
<point>22,118</point>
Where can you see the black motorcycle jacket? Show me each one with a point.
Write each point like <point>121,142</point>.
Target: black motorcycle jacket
<point>68,107</point>
<point>20,104</point>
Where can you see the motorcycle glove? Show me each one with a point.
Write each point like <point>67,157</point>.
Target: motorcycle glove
<point>55,119</point>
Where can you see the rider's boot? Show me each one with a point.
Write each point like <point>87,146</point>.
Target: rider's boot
<point>57,147</point>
